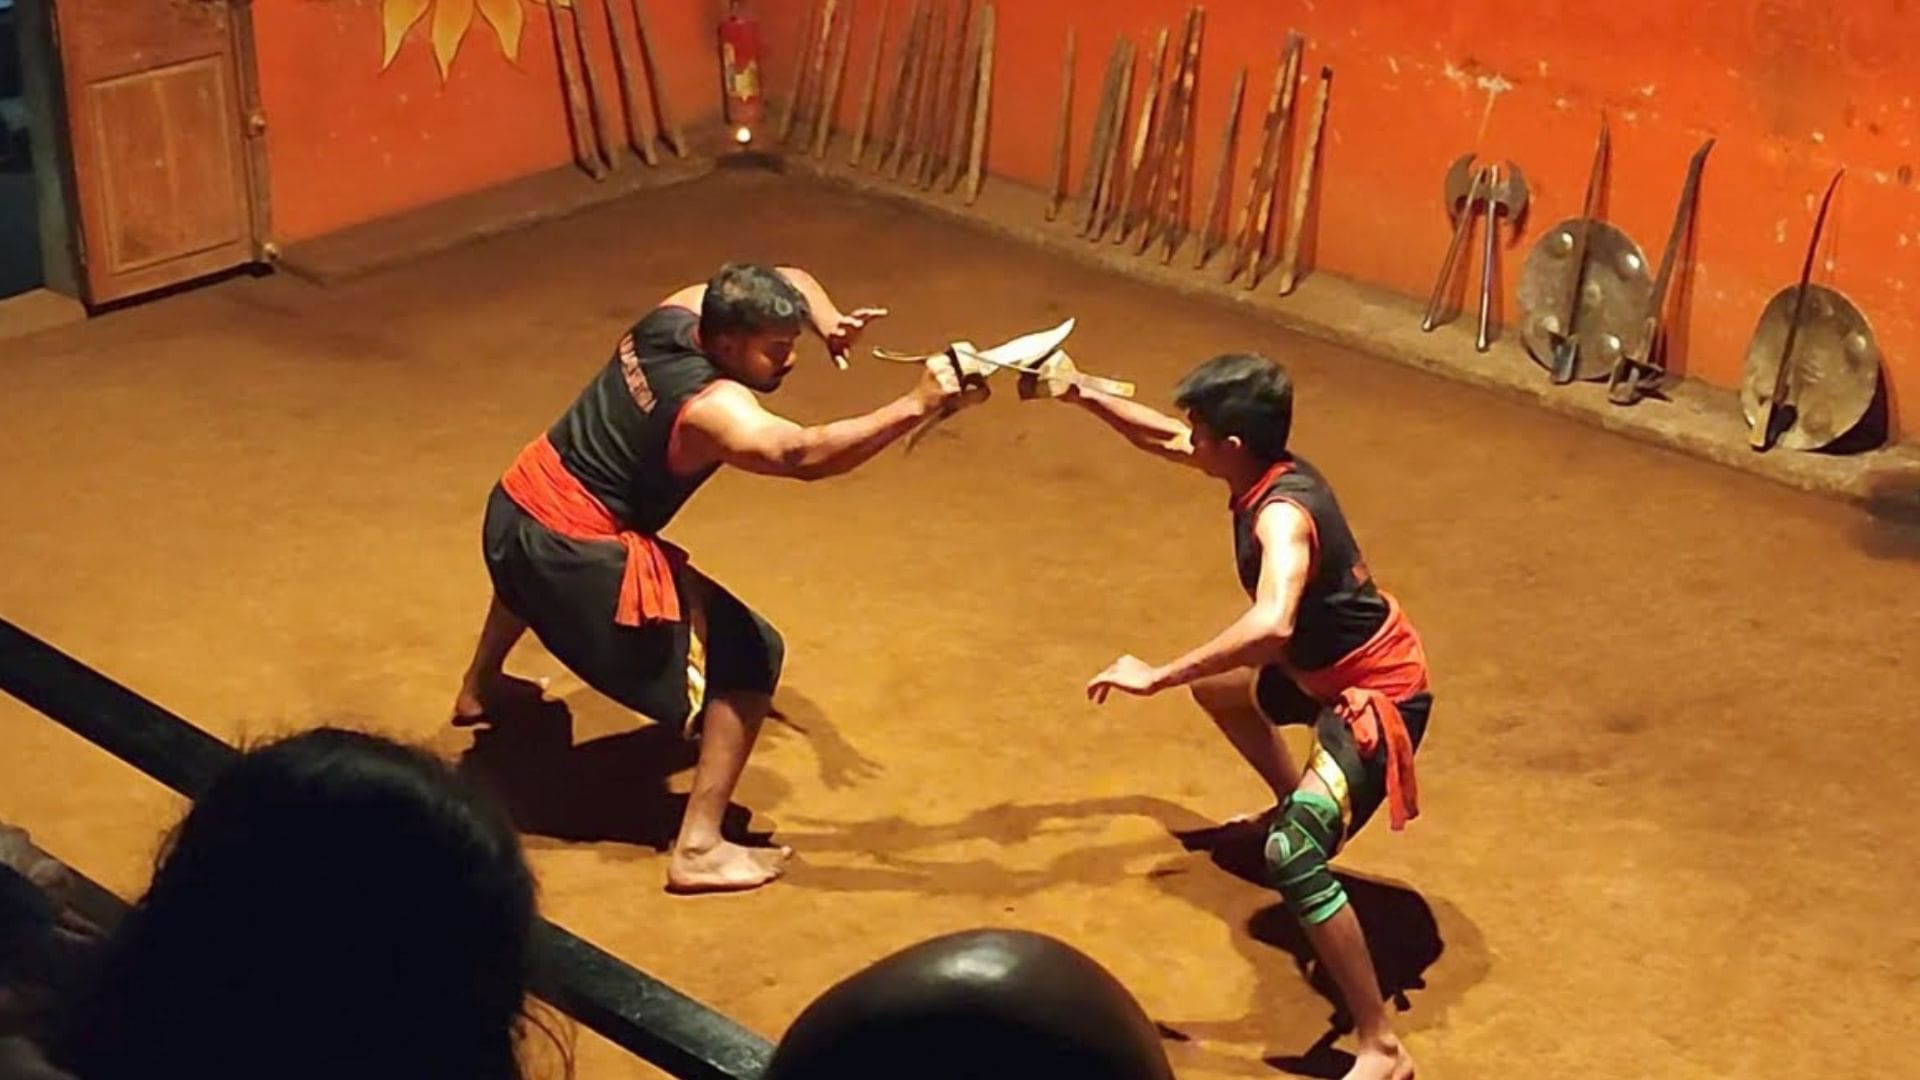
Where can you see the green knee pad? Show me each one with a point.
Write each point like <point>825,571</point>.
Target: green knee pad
<point>1298,845</point>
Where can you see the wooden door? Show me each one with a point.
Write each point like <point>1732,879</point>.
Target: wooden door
<point>164,130</point>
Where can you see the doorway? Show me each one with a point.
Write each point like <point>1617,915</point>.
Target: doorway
<point>133,158</point>
<point>20,255</point>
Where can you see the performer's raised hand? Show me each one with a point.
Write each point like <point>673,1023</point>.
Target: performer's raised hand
<point>1129,674</point>
<point>843,332</point>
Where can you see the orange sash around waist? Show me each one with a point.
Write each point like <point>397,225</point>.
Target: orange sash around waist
<point>1364,687</point>
<point>540,484</point>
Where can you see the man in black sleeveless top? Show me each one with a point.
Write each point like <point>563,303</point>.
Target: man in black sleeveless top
<point>1320,644</point>
<point>572,542</point>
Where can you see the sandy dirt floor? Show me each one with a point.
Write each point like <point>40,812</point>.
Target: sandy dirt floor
<point>1665,795</point>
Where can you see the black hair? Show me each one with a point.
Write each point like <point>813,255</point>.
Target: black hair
<point>334,904</point>
<point>749,298</point>
<point>1241,394</point>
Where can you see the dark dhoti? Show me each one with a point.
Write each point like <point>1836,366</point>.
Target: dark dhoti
<point>1358,781</point>
<point>567,591</point>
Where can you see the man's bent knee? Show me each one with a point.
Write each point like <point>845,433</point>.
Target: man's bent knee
<point>1302,839</point>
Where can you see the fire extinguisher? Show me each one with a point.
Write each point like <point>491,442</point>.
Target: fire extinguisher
<point>740,70</point>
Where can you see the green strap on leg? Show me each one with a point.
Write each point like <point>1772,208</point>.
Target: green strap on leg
<point>1298,846</point>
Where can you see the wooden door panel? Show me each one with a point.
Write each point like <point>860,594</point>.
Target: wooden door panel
<point>165,151</point>
<point>160,142</point>
<point>119,37</point>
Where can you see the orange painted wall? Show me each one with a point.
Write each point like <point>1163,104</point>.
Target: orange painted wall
<point>348,142</point>
<point>1792,89</point>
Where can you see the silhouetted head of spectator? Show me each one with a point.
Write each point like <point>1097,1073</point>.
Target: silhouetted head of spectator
<point>26,942</point>
<point>979,1003</point>
<point>334,905</point>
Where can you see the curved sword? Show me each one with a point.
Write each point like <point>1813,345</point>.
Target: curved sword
<point>1021,354</point>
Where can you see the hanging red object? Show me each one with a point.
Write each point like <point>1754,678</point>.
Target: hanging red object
<point>740,72</point>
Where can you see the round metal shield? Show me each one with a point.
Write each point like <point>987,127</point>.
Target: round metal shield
<point>1833,375</point>
<point>1613,299</point>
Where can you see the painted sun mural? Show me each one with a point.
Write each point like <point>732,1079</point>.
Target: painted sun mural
<point>447,24</point>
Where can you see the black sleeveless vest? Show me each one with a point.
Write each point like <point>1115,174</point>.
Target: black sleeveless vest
<point>614,436</point>
<point>1340,607</point>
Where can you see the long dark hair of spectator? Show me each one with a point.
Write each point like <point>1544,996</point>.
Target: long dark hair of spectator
<point>335,905</point>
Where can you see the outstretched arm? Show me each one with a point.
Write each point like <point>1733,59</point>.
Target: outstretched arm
<point>1150,430</point>
<point>728,425</point>
<point>1256,637</point>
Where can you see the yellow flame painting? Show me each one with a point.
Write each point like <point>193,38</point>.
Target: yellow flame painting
<point>449,22</point>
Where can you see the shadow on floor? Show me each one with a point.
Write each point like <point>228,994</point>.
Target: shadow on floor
<point>1890,526</point>
<point>611,788</point>
<point>1404,933</point>
<point>841,764</point>
<point>617,787</point>
<point>892,841</point>
<point>1293,1006</point>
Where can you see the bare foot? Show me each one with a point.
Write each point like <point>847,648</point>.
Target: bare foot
<point>481,695</point>
<point>725,867</point>
<point>1386,1059</point>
